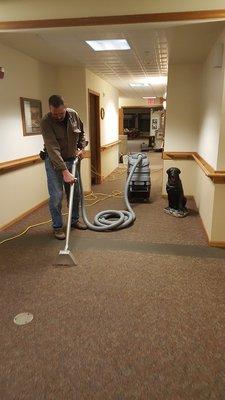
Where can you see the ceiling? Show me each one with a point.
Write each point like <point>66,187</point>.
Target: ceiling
<point>152,47</point>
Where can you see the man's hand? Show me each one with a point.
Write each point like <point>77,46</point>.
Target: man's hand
<point>68,177</point>
<point>80,153</point>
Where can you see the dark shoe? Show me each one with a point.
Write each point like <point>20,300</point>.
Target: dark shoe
<point>59,234</point>
<point>78,225</point>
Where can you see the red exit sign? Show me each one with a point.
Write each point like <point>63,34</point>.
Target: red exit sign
<point>151,102</point>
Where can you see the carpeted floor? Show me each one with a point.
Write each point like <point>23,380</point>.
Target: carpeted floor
<point>142,316</point>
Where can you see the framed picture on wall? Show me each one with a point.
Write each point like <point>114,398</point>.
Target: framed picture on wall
<point>31,111</point>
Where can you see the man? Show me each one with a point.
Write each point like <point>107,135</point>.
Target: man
<point>63,135</point>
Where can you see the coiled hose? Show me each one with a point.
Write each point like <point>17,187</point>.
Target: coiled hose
<point>111,219</point>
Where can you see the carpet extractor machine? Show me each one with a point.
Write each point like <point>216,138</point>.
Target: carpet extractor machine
<point>137,189</point>
<point>140,183</point>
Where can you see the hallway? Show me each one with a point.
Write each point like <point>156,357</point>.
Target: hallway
<point>140,317</point>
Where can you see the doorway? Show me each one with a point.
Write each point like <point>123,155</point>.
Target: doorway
<point>94,129</point>
<point>144,127</point>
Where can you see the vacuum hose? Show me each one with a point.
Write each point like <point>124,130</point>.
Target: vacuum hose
<point>111,219</point>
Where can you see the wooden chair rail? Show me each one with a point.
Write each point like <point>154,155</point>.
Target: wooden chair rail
<point>107,146</point>
<point>35,159</point>
<point>215,176</point>
<point>25,162</point>
<point>19,163</point>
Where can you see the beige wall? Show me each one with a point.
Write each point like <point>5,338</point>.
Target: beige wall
<point>128,102</point>
<point>27,9</point>
<point>211,107</point>
<point>71,84</point>
<point>211,145</point>
<point>221,152</point>
<point>109,100</point>
<point>218,225</point>
<point>183,94</point>
<point>109,160</point>
<point>25,77</point>
<point>204,199</point>
<point>22,190</point>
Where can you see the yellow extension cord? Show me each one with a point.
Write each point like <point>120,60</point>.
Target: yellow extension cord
<point>94,197</point>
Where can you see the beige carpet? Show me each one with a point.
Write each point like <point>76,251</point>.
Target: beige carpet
<point>142,316</point>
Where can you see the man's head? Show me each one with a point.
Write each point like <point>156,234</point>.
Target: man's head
<point>57,107</point>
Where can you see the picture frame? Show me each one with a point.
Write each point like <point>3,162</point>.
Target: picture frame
<point>31,112</point>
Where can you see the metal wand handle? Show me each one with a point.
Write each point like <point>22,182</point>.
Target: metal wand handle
<point>68,229</point>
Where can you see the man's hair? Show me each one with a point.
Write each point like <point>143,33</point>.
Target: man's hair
<point>56,101</point>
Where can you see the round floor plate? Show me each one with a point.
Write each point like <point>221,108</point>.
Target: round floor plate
<point>23,318</point>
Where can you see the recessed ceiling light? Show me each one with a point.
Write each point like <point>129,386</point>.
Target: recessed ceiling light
<point>106,45</point>
<point>139,84</point>
<point>149,97</point>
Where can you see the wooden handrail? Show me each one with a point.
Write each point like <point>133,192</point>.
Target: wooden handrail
<point>25,162</point>
<point>215,176</point>
<point>19,163</point>
<point>177,155</point>
<point>207,169</point>
<point>107,146</point>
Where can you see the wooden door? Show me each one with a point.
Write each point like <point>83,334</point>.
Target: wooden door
<point>94,129</point>
<point>121,132</point>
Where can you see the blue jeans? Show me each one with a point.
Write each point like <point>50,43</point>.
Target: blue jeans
<point>55,187</point>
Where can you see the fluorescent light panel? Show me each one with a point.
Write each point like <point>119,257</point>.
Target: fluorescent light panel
<point>139,84</point>
<point>149,97</point>
<point>107,45</point>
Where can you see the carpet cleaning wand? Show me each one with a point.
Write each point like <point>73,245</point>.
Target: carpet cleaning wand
<point>65,257</point>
